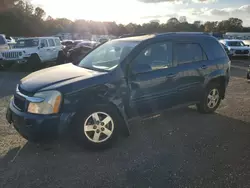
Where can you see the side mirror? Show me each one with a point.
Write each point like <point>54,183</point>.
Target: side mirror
<point>140,68</point>
<point>247,45</point>
<point>42,45</point>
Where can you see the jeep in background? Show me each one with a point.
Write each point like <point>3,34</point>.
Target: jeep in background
<point>117,81</point>
<point>33,52</point>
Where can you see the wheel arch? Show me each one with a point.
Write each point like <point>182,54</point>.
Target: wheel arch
<point>222,81</point>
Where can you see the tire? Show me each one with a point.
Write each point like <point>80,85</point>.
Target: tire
<point>61,58</point>
<point>101,133</point>
<point>208,105</point>
<point>34,63</point>
<point>248,75</point>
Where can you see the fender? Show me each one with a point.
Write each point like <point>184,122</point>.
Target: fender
<point>100,95</point>
<point>215,74</point>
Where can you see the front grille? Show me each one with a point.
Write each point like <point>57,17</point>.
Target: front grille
<point>20,102</point>
<point>10,55</point>
<point>241,51</point>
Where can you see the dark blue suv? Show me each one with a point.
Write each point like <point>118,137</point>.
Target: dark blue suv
<point>119,80</point>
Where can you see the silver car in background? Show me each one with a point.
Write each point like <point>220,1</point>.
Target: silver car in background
<point>236,47</point>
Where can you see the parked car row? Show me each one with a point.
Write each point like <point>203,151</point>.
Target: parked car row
<point>33,51</point>
<point>36,51</point>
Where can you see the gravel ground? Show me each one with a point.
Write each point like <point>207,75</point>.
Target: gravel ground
<point>177,148</point>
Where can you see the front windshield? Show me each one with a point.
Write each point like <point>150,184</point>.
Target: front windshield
<point>235,43</point>
<point>26,43</point>
<point>108,56</point>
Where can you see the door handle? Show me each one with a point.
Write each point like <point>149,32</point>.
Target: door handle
<point>170,75</point>
<point>204,66</point>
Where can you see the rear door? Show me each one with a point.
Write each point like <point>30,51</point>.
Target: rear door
<point>52,51</point>
<point>44,53</point>
<point>58,46</point>
<point>152,89</point>
<point>191,63</point>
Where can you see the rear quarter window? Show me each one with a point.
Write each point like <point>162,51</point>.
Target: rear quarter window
<point>58,43</point>
<point>214,49</point>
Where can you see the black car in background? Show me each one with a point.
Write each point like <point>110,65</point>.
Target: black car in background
<point>76,53</point>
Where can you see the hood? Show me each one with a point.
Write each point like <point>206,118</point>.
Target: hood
<point>238,48</point>
<point>26,50</point>
<point>54,76</point>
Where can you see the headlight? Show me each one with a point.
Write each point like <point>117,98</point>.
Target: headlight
<point>20,53</point>
<point>51,101</point>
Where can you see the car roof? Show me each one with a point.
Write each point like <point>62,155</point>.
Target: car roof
<point>163,35</point>
<point>231,40</point>
<point>39,38</point>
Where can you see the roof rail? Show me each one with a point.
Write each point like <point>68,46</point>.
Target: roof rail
<point>197,33</point>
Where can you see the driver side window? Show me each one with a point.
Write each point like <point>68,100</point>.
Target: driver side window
<point>157,56</point>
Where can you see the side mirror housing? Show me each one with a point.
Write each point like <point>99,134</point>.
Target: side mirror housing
<point>140,68</point>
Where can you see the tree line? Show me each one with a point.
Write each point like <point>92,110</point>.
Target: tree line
<point>21,18</point>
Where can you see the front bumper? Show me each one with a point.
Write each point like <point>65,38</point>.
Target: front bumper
<point>35,127</point>
<point>240,55</point>
<point>8,61</point>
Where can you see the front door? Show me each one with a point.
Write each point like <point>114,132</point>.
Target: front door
<point>152,85</point>
<point>190,61</point>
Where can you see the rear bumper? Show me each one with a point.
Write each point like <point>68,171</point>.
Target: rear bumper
<point>35,127</point>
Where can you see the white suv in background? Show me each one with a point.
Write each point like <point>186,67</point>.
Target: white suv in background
<point>34,51</point>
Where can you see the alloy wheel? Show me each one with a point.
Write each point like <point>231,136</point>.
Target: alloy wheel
<point>98,127</point>
<point>213,98</point>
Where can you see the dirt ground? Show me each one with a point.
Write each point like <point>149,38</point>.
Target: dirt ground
<point>178,148</point>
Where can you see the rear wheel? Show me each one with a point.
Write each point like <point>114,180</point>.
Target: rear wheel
<point>211,99</point>
<point>61,58</point>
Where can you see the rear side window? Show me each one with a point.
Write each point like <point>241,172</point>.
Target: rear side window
<point>2,40</point>
<point>188,52</point>
<point>51,42</point>
<point>58,43</point>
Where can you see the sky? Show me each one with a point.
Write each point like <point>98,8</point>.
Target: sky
<point>141,11</point>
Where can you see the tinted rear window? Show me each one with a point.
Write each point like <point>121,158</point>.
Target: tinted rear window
<point>2,40</point>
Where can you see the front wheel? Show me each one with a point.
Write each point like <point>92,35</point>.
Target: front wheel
<point>34,63</point>
<point>97,127</point>
<point>211,99</point>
